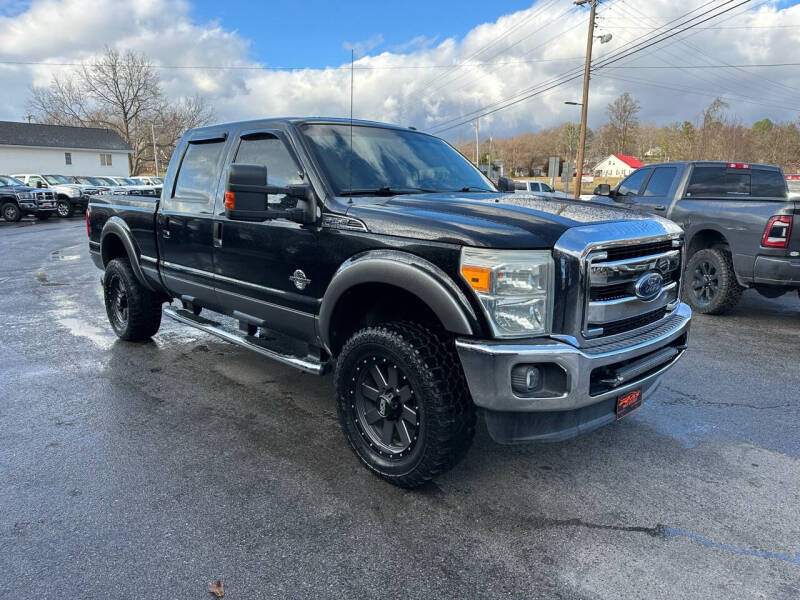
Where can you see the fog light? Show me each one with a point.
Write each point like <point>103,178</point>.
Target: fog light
<point>526,379</point>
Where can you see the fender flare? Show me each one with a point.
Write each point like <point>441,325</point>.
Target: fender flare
<point>119,228</point>
<point>407,271</point>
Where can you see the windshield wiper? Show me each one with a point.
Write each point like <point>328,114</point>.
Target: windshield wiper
<point>473,189</point>
<point>384,191</point>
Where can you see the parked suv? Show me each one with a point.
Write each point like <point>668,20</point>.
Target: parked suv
<point>17,200</point>
<point>538,188</point>
<point>69,196</point>
<point>738,220</point>
<point>382,253</point>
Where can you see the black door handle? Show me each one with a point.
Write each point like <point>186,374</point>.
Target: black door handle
<point>165,228</point>
<point>218,234</point>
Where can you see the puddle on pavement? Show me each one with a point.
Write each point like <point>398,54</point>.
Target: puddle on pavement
<point>94,334</point>
<point>61,255</point>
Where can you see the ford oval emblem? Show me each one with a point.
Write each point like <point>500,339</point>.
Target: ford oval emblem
<point>649,285</point>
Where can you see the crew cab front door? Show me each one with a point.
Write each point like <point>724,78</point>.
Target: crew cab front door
<point>657,192</point>
<point>265,269</point>
<point>184,225</point>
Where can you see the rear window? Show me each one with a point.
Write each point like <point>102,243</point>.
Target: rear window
<point>197,177</point>
<point>521,186</point>
<point>721,182</point>
<point>767,184</point>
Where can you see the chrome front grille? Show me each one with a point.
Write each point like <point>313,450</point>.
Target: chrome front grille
<point>44,195</point>
<point>615,302</point>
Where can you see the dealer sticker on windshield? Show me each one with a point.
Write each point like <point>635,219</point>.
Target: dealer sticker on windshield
<point>627,403</point>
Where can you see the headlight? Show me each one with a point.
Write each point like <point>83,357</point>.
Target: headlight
<point>72,192</point>
<point>25,196</point>
<point>514,287</point>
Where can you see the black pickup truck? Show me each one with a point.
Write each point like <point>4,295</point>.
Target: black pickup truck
<point>382,253</point>
<point>738,220</point>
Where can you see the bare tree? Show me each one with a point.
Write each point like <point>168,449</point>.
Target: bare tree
<point>122,92</point>
<point>624,122</point>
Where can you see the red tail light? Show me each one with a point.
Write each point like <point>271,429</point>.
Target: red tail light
<point>230,200</point>
<point>777,233</point>
<point>738,166</point>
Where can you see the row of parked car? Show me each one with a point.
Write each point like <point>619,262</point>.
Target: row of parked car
<point>738,219</point>
<point>45,195</point>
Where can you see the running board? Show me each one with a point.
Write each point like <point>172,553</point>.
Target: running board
<point>309,365</point>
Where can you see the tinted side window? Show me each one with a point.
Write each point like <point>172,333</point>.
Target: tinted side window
<point>710,182</point>
<point>632,185</point>
<point>767,184</point>
<point>521,186</point>
<point>197,178</point>
<point>266,149</point>
<point>547,188</point>
<point>660,182</point>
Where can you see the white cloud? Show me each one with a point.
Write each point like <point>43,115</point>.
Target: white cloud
<point>364,46</point>
<point>415,83</point>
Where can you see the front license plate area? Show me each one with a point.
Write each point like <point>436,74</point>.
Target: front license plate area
<point>627,403</point>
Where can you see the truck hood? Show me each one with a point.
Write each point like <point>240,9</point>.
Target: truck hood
<point>490,220</point>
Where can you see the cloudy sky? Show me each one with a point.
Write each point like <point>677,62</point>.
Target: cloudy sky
<point>432,65</point>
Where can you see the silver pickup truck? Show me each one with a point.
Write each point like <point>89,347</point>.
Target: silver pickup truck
<point>738,220</point>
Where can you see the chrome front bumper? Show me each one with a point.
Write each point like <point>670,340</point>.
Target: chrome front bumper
<point>487,366</point>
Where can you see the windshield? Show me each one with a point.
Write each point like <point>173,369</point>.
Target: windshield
<point>89,181</point>
<point>390,161</point>
<point>157,180</point>
<point>5,180</point>
<point>126,181</point>
<point>106,181</point>
<point>56,179</point>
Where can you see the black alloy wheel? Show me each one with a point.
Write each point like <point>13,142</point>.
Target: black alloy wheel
<point>11,212</point>
<point>705,282</point>
<point>117,302</point>
<point>386,410</point>
<point>710,285</point>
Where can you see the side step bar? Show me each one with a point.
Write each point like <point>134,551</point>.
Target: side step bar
<point>309,365</point>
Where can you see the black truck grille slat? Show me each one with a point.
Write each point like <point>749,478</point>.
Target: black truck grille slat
<point>623,252</point>
<point>633,322</point>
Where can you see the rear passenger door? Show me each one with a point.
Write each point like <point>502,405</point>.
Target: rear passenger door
<point>185,220</point>
<point>657,191</point>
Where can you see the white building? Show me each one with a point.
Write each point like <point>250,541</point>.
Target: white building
<point>616,165</point>
<point>35,148</point>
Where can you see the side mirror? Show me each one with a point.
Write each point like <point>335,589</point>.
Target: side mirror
<point>602,190</point>
<point>246,196</point>
<point>505,184</point>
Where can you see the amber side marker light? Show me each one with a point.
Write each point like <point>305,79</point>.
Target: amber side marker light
<point>230,200</point>
<point>477,277</point>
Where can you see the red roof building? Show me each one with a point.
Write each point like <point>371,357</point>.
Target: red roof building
<point>616,165</point>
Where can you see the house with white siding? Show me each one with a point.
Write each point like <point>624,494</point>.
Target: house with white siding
<point>616,165</point>
<point>37,148</point>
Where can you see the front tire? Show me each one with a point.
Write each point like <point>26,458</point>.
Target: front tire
<point>133,310</point>
<point>64,209</point>
<point>11,212</point>
<point>403,402</point>
<point>710,284</point>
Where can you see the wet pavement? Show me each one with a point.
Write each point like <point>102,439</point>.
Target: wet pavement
<point>146,470</point>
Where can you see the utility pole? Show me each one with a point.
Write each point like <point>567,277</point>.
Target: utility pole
<point>477,126</point>
<point>585,107</point>
<point>155,151</point>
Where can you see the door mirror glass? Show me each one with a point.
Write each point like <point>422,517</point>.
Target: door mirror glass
<point>505,184</point>
<point>602,190</point>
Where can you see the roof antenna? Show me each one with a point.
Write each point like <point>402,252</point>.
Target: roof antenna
<point>350,162</point>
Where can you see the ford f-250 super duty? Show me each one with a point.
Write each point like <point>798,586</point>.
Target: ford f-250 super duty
<point>381,252</point>
<point>738,221</point>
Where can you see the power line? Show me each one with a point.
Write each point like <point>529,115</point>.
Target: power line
<point>611,58</point>
<point>797,64</point>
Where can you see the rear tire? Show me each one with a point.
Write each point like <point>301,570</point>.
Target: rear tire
<point>710,284</point>
<point>64,208</point>
<point>11,212</point>
<point>403,402</point>
<point>133,310</point>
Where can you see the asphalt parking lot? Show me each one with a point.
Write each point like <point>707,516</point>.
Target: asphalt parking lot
<point>146,470</point>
